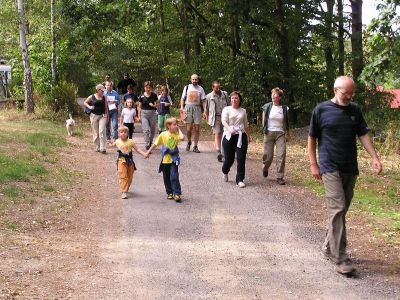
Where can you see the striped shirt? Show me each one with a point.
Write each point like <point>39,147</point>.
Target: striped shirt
<point>336,127</point>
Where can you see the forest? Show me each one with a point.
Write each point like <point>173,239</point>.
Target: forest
<point>251,46</point>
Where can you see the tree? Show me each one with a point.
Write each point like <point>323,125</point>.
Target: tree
<point>357,62</point>
<point>25,58</point>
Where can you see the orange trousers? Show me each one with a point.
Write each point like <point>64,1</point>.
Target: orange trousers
<point>125,176</point>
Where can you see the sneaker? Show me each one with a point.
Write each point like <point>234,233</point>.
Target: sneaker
<point>225,177</point>
<point>97,150</point>
<point>196,149</point>
<point>241,184</point>
<point>170,197</point>
<point>188,145</point>
<point>220,157</point>
<point>265,173</point>
<point>103,151</point>
<point>281,181</point>
<point>124,196</point>
<point>178,198</point>
<point>345,267</point>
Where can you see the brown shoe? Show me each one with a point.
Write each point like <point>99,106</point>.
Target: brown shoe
<point>345,267</point>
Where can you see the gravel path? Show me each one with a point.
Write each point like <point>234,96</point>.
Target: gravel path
<point>221,242</point>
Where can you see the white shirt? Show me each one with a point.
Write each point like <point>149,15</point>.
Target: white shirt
<point>195,94</point>
<point>128,115</point>
<point>275,120</point>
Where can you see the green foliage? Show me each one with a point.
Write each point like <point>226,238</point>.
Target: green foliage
<point>62,100</point>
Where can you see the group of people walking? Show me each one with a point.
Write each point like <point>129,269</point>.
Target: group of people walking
<point>334,126</point>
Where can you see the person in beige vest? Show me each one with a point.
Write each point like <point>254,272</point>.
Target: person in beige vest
<point>215,103</point>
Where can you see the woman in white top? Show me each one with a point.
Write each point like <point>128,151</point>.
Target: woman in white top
<point>276,131</point>
<point>236,138</point>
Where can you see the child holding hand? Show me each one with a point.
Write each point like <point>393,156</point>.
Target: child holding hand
<point>169,140</point>
<point>128,116</point>
<point>125,164</point>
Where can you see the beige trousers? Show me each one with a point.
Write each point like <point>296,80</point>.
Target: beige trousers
<point>339,190</point>
<point>275,139</point>
<point>98,123</point>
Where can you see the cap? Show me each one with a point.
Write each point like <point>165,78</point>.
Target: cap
<point>100,87</point>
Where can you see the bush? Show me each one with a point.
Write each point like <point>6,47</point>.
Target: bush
<point>62,101</point>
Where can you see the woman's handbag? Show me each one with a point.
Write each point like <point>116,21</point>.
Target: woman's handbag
<point>87,111</point>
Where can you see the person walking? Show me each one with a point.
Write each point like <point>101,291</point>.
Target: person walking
<point>275,123</point>
<point>236,138</point>
<point>214,104</point>
<point>113,108</point>
<point>147,106</point>
<point>125,164</point>
<point>170,161</point>
<point>98,117</point>
<point>163,111</point>
<point>123,84</point>
<point>192,101</point>
<point>334,126</point>
<point>128,117</point>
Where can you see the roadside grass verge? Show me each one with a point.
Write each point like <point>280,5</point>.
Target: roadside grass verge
<point>30,168</point>
<point>376,198</point>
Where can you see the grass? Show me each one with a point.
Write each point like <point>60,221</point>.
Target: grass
<point>11,192</point>
<point>29,153</point>
<point>376,197</point>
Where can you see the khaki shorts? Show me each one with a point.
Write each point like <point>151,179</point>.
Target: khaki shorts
<point>218,127</point>
<point>193,114</point>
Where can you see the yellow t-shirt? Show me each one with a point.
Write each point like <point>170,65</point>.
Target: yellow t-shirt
<point>124,146</point>
<point>169,140</point>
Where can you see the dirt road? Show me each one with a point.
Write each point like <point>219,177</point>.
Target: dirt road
<point>222,242</point>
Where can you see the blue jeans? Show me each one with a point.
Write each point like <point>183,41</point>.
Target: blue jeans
<point>171,179</point>
<point>114,122</point>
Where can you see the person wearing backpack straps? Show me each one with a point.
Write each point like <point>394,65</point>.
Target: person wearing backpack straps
<point>192,101</point>
<point>214,104</point>
<point>98,117</point>
<point>276,133</point>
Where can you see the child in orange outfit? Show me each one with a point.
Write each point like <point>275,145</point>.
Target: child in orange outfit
<point>125,164</point>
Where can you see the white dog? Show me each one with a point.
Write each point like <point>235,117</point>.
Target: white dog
<point>70,125</point>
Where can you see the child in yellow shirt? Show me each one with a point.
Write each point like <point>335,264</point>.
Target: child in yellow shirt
<point>125,164</point>
<point>169,140</point>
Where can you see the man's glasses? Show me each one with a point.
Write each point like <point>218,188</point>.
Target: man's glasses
<point>346,93</point>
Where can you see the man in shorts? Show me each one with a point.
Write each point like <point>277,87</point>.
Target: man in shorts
<point>214,104</point>
<point>192,102</point>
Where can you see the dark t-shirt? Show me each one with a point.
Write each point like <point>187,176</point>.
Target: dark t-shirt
<point>147,100</point>
<point>131,96</point>
<point>163,110</point>
<point>123,85</point>
<point>99,105</point>
<point>336,127</point>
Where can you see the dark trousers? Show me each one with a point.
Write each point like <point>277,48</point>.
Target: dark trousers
<point>230,148</point>
<point>171,179</point>
<point>131,127</point>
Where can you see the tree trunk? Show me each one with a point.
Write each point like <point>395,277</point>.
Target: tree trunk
<point>330,69</point>
<point>25,58</point>
<point>197,33</point>
<point>357,63</point>
<point>53,46</point>
<point>163,33</point>
<point>341,37</point>
<point>286,56</point>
